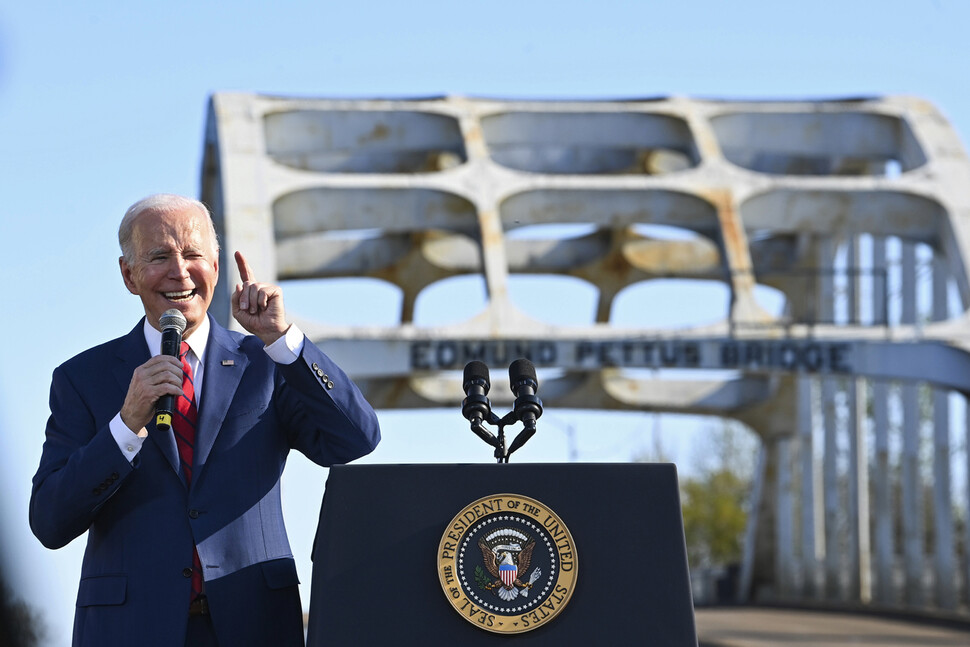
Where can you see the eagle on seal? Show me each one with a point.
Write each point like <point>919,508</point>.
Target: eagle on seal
<point>505,565</point>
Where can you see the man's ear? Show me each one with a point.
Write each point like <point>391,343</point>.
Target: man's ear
<point>126,275</point>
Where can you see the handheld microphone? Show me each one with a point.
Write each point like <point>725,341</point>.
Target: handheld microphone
<point>172,323</point>
<point>527,407</point>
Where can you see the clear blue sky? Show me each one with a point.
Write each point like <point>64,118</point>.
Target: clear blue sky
<point>103,102</point>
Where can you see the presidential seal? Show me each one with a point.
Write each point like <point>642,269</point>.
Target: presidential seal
<point>507,563</point>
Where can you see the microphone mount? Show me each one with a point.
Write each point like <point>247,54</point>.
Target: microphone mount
<point>477,408</point>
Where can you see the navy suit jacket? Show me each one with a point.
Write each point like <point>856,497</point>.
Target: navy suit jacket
<point>142,520</point>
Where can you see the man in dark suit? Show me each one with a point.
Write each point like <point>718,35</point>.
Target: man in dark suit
<point>156,519</point>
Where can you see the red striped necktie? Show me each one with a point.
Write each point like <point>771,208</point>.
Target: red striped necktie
<point>183,424</point>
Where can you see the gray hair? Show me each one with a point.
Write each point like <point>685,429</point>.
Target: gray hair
<point>164,203</point>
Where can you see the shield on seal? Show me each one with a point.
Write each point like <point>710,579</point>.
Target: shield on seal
<point>508,573</point>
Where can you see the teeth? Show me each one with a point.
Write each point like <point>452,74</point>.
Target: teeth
<point>178,295</point>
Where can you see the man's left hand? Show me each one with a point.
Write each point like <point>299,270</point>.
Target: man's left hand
<point>258,307</point>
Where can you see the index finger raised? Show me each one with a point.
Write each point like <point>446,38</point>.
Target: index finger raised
<point>245,272</point>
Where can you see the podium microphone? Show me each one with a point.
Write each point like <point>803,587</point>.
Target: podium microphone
<point>522,378</point>
<point>527,407</point>
<point>172,323</point>
<point>476,407</point>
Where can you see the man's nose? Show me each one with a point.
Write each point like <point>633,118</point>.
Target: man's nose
<point>178,267</point>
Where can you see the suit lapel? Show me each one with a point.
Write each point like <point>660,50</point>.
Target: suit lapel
<point>224,368</point>
<point>132,353</point>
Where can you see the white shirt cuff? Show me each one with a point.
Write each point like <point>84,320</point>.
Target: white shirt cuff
<point>287,348</point>
<point>128,441</point>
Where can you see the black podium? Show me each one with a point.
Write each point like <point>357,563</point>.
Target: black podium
<point>375,557</point>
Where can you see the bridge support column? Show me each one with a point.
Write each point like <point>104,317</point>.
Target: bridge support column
<point>945,559</point>
<point>786,564</point>
<point>810,511</point>
<point>912,495</point>
<point>758,560</point>
<point>966,529</point>
<point>834,566</point>
<point>860,582</point>
<point>883,513</point>
<point>882,495</point>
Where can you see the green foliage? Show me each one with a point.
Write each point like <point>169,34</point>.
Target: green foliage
<point>714,517</point>
<point>714,498</point>
<point>714,501</point>
<point>481,579</point>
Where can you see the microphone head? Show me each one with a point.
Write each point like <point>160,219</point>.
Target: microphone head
<point>172,318</point>
<point>523,370</point>
<point>476,371</point>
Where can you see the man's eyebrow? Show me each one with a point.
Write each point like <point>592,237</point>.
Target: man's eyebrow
<point>158,250</point>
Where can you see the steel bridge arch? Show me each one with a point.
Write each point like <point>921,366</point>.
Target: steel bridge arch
<point>857,210</point>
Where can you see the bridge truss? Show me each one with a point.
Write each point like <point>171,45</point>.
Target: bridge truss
<point>856,212</point>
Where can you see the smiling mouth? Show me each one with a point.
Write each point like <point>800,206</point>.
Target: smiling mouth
<point>177,297</point>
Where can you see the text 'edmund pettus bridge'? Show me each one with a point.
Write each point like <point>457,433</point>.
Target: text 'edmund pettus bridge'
<point>786,355</point>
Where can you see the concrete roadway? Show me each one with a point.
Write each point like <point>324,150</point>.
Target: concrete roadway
<point>776,627</point>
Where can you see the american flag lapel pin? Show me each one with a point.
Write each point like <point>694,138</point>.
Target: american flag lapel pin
<point>228,362</point>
